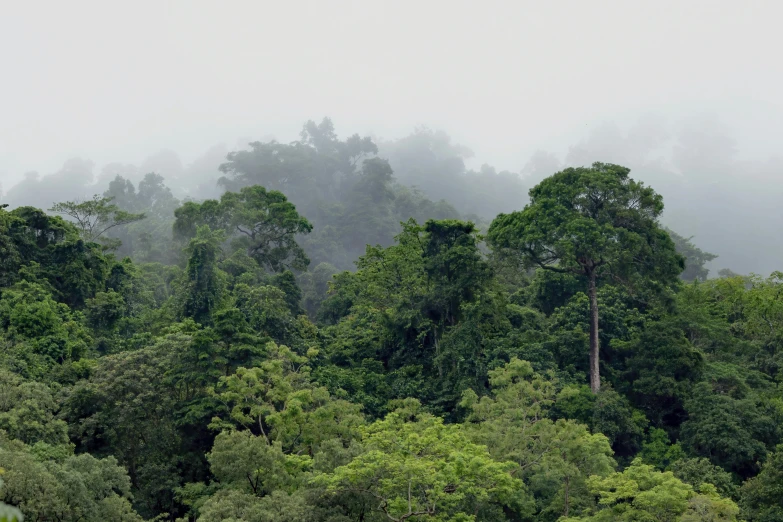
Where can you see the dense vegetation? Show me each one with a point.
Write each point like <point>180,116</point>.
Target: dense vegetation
<point>324,343</point>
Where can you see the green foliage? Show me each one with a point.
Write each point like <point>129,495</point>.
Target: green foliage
<point>416,466</point>
<point>660,369</point>
<point>454,268</point>
<point>277,401</point>
<point>553,457</point>
<point>349,195</point>
<point>232,505</point>
<point>733,433</point>
<point>306,170</point>
<point>617,419</point>
<point>249,463</point>
<point>762,496</point>
<point>698,471</point>
<point>267,312</point>
<point>124,409</point>
<point>105,309</point>
<point>642,493</point>
<point>659,451</point>
<point>582,220</point>
<point>439,309</point>
<point>268,224</point>
<point>28,411</point>
<point>76,488</point>
<point>40,332</point>
<point>96,217</point>
<point>210,375</point>
<point>203,281</point>
<point>315,285</point>
<point>597,223</point>
<point>695,258</point>
<point>10,256</point>
<point>148,240</point>
<point>49,251</point>
<point>263,223</point>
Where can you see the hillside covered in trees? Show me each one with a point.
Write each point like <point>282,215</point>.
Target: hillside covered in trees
<point>361,331</point>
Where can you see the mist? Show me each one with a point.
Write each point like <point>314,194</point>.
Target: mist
<point>334,261</point>
<point>687,96</point>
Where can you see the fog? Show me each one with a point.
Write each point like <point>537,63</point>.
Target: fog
<point>686,94</point>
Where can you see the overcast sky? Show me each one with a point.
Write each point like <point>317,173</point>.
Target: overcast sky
<point>115,81</point>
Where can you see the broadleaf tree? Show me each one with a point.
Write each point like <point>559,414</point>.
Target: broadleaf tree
<point>594,222</point>
<point>95,217</point>
<point>263,222</point>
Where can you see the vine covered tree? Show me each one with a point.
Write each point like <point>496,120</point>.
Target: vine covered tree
<point>203,280</point>
<point>595,222</point>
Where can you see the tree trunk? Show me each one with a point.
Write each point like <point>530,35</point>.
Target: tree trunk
<point>437,351</point>
<point>595,377</point>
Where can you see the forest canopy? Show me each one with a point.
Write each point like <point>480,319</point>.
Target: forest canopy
<point>323,341</point>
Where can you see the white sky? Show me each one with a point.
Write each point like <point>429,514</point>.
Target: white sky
<point>115,81</point>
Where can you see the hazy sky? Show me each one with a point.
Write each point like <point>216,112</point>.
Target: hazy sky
<point>115,81</point>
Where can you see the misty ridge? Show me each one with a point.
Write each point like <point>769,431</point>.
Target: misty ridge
<point>362,261</point>
<point>728,204</point>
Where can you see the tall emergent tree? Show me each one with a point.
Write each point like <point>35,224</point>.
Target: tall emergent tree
<point>95,217</point>
<point>595,222</point>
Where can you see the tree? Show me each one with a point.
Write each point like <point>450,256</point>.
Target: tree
<point>434,315</point>
<point>10,257</point>
<point>367,219</point>
<point>454,267</point>
<point>204,282</point>
<point>640,493</point>
<point>594,222</point>
<point>95,217</point>
<point>700,470</point>
<point>660,371</point>
<point>276,401</point>
<point>279,506</point>
<point>553,457</point>
<point>27,411</point>
<point>149,239</point>
<point>315,285</point>
<point>8,513</point>
<point>263,223</point>
<point>253,465</point>
<point>267,225</point>
<point>695,258</point>
<point>40,331</point>
<point>266,310</point>
<point>48,250</point>
<point>416,466</point>
<point>155,196</point>
<point>307,170</point>
<point>62,486</point>
<point>127,410</point>
<point>762,496</point>
<point>660,452</point>
<point>735,433</point>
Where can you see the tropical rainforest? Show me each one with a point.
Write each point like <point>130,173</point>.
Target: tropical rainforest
<point>323,341</point>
